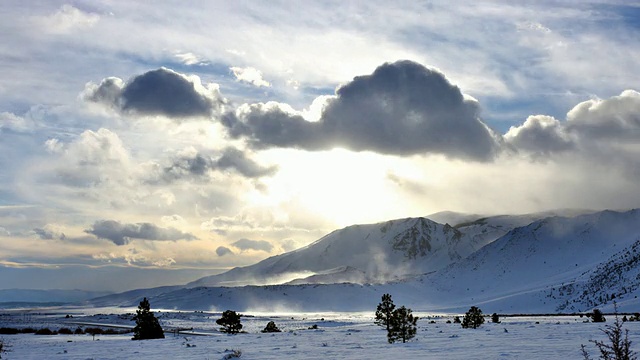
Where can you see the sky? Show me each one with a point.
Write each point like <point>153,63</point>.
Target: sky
<point>152,144</point>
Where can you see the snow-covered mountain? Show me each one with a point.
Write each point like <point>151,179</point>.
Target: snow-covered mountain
<point>503,263</point>
<point>377,253</point>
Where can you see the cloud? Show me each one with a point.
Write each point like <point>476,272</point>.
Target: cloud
<point>223,250</point>
<point>122,234</point>
<point>192,163</point>
<point>402,108</point>
<point>66,19</point>
<point>616,118</point>
<point>592,127</point>
<point>157,92</point>
<point>541,135</point>
<point>10,121</point>
<point>250,75</point>
<point>258,245</point>
<point>49,232</point>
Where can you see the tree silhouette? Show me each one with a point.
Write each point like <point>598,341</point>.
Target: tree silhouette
<point>403,325</point>
<point>230,322</point>
<point>473,318</point>
<point>147,326</point>
<point>384,312</point>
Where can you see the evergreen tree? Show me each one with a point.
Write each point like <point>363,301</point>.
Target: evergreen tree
<point>384,312</point>
<point>597,316</point>
<point>147,326</point>
<point>402,325</point>
<point>495,318</point>
<point>230,322</point>
<point>473,318</point>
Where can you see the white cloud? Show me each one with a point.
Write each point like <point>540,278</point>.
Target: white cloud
<point>250,75</point>
<point>67,19</point>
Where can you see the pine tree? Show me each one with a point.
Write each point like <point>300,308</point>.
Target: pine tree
<point>384,312</point>
<point>473,318</point>
<point>230,322</point>
<point>597,316</point>
<point>495,318</point>
<point>402,325</point>
<point>147,326</point>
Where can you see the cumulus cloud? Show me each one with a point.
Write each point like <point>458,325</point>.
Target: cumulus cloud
<point>541,135</point>
<point>157,92</point>
<point>402,108</point>
<point>192,163</point>
<point>258,245</point>
<point>250,75</point>
<point>591,127</point>
<point>13,122</point>
<point>122,234</point>
<point>223,250</point>
<point>615,118</point>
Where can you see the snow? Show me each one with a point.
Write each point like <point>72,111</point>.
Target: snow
<point>339,336</point>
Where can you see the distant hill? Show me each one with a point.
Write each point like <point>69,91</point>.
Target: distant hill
<point>47,296</point>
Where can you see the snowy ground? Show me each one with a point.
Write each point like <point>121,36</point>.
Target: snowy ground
<point>339,336</point>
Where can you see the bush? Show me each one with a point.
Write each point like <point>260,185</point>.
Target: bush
<point>45,331</point>
<point>79,331</point>
<point>271,328</point>
<point>618,347</point>
<point>456,320</point>
<point>473,318</point>
<point>230,322</point>
<point>8,331</point>
<point>147,326</point>
<point>65,331</point>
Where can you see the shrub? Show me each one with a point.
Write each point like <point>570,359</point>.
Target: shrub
<point>230,322</point>
<point>8,331</point>
<point>65,331</point>
<point>147,326</point>
<point>271,328</point>
<point>618,347</point>
<point>45,331</point>
<point>473,318</point>
<point>456,320</point>
<point>79,331</point>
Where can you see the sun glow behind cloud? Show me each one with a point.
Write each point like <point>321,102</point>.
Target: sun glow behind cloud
<point>310,123</point>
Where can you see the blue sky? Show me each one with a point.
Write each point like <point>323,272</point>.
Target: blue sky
<point>167,141</point>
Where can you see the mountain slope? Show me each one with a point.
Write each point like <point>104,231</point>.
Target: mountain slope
<point>382,251</point>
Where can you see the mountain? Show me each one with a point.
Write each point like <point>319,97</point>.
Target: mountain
<point>377,253</point>
<point>374,252</point>
<point>544,265</point>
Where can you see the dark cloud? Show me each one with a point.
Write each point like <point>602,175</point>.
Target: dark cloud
<point>157,92</point>
<point>402,108</point>
<point>237,160</point>
<point>198,164</point>
<point>121,234</point>
<point>223,250</point>
<point>540,135</point>
<point>259,245</point>
<point>48,234</point>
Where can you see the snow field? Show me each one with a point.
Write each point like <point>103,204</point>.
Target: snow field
<point>339,336</point>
